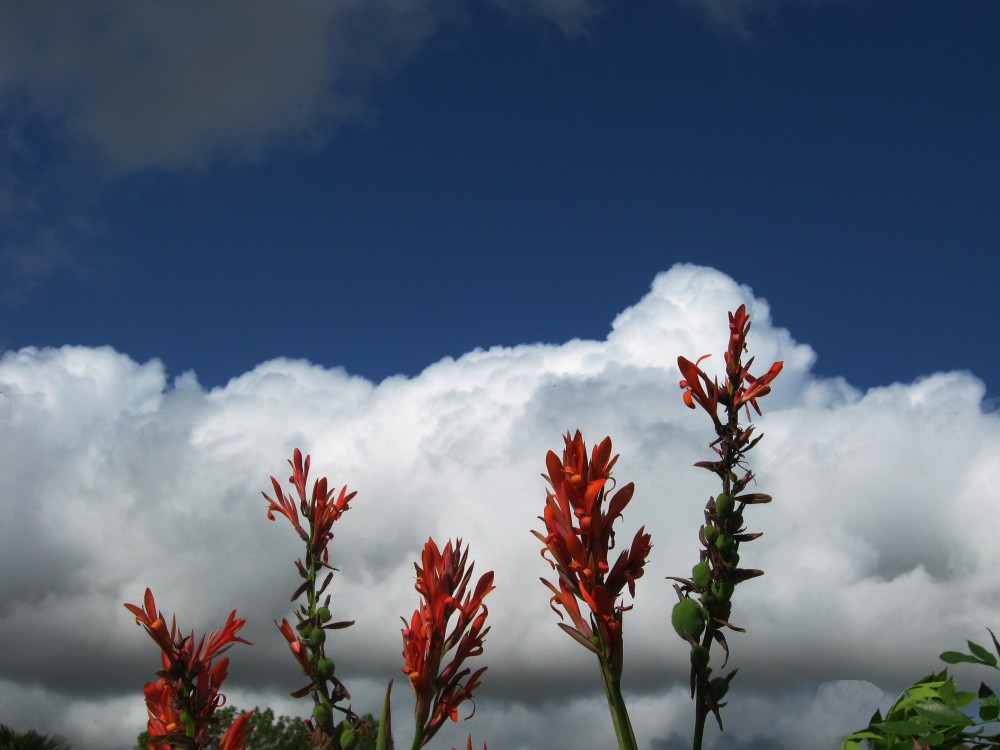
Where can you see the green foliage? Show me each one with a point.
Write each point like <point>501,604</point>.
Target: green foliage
<point>269,733</point>
<point>30,740</point>
<point>926,715</point>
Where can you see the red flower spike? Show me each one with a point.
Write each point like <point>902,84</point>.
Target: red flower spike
<point>181,704</point>
<point>442,582</point>
<point>741,388</point>
<point>578,538</point>
<point>319,509</point>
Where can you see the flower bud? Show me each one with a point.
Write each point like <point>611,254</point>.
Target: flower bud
<point>719,687</point>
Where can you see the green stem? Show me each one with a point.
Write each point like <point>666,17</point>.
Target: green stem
<point>418,738</point>
<point>700,706</point>
<point>619,714</point>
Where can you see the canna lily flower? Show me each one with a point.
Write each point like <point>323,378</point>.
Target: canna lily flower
<point>152,621</point>
<point>442,583</point>
<point>182,703</point>
<point>235,736</point>
<point>708,395</point>
<point>295,644</point>
<point>578,537</point>
<point>741,388</point>
<point>321,510</point>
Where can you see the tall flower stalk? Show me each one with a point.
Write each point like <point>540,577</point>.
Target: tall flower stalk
<point>182,702</point>
<point>307,639</point>
<point>715,576</point>
<point>442,583</point>
<point>578,537</point>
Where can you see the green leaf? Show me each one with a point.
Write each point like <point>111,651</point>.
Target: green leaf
<point>942,715</point>
<point>847,744</point>
<point>989,705</point>
<point>963,699</point>
<point>902,727</point>
<point>863,735</point>
<point>384,741</point>
<point>957,657</point>
<point>984,656</point>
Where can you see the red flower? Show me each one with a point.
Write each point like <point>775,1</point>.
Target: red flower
<point>181,704</point>
<point>236,734</point>
<point>153,622</point>
<point>741,388</point>
<point>706,395</point>
<point>578,539</point>
<point>320,509</point>
<point>443,582</point>
<point>298,648</point>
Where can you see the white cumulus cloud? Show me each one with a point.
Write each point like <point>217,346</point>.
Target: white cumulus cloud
<point>880,547</point>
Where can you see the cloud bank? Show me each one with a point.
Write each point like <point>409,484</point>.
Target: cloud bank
<point>879,548</point>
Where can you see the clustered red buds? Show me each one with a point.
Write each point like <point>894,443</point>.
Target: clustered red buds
<point>181,703</point>
<point>578,537</point>
<point>442,583</point>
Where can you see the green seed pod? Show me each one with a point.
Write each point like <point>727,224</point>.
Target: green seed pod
<point>324,614</point>
<point>699,657</point>
<point>325,668</point>
<point>699,574</point>
<point>708,601</point>
<point>711,534</point>
<point>688,618</point>
<point>725,545</point>
<point>724,505</point>
<point>322,715</point>
<point>719,687</point>
<point>727,590</point>
<point>737,520</point>
<point>317,637</point>
<point>348,739</point>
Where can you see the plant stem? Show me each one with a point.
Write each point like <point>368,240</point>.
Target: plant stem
<point>700,707</point>
<point>418,738</point>
<point>619,714</point>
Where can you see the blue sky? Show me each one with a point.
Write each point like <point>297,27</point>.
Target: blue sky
<point>502,220</point>
<point>502,180</point>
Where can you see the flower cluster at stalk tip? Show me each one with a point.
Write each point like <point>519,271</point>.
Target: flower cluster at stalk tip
<point>307,639</point>
<point>714,578</point>
<point>578,537</point>
<point>442,583</point>
<point>182,702</point>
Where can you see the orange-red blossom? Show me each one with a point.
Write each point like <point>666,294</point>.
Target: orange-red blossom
<point>181,703</point>
<point>579,536</point>
<point>320,509</point>
<point>741,388</point>
<point>443,584</point>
